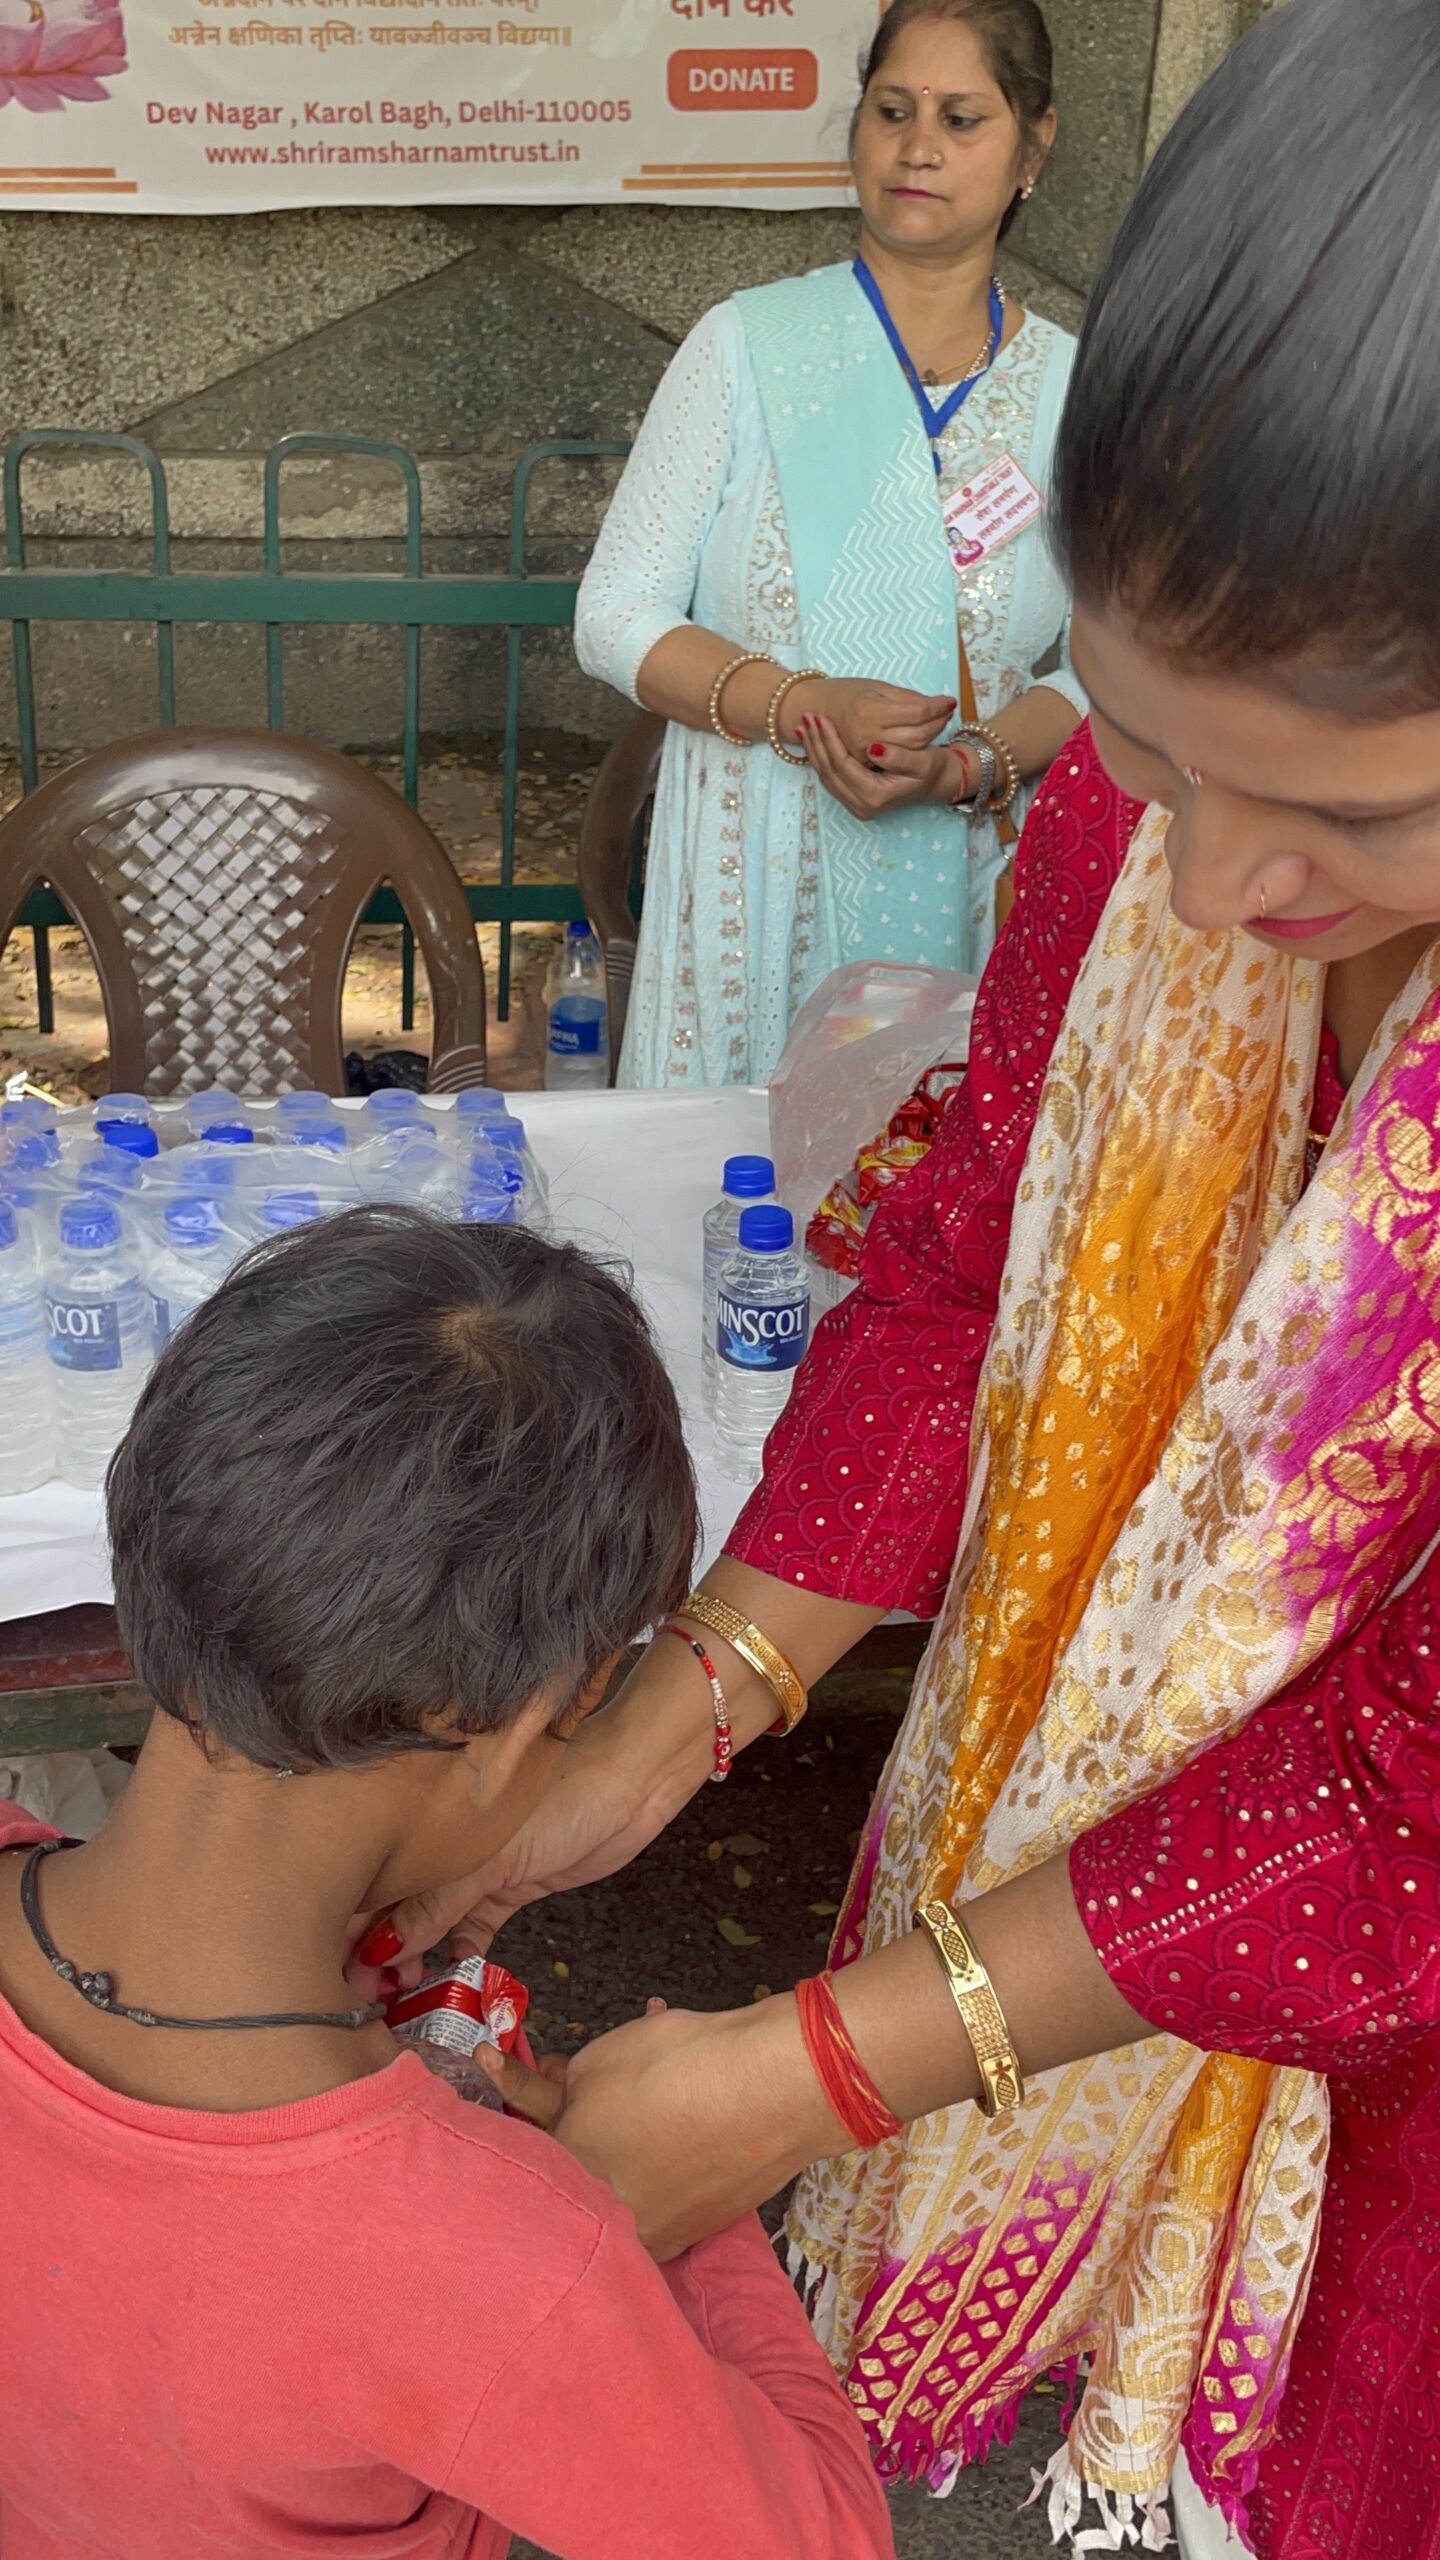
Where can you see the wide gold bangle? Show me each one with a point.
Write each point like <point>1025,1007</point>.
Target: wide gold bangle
<point>1002,2085</point>
<point>747,658</point>
<point>753,1646</point>
<point>804,675</point>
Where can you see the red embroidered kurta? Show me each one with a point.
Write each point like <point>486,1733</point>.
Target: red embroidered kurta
<point>1327,1951</point>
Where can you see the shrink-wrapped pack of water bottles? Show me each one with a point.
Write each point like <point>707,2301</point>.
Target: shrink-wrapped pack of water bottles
<point>117,1220</point>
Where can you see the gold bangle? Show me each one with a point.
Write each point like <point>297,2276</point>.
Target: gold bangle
<point>806,675</point>
<point>996,806</point>
<point>1002,2085</point>
<point>747,658</point>
<point>753,1646</point>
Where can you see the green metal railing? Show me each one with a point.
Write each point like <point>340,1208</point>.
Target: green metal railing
<point>276,599</point>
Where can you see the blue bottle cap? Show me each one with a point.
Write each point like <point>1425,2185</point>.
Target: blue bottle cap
<point>767,1230</point>
<point>318,1133</point>
<point>285,1209</point>
<point>480,1101</point>
<point>108,1169</point>
<point>135,1137</point>
<point>394,1102</point>
<point>194,1220</point>
<point>749,1177</point>
<point>121,1106</point>
<point>9,1226</point>
<point>304,1106</point>
<point>33,1153</point>
<point>89,1223</point>
<point>579,930</point>
<point>229,1133</point>
<point>215,1173</point>
<point>213,1104</point>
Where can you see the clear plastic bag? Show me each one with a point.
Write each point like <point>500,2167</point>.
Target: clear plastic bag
<point>855,1051</point>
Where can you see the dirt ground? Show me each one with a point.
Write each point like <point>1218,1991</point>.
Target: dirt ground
<point>460,799</point>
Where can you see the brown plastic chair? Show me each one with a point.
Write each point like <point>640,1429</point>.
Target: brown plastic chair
<point>219,877</point>
<point>614,812</point>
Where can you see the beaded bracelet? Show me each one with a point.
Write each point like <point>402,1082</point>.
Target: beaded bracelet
<point>980,734</point>
<point>805,675</point>
<point>724,1737</point>
<point>753,1646</point>
<point>850,2093</point>
<point>747,658</point>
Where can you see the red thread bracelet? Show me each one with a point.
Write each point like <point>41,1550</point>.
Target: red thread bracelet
<point>724,1739</point>
<point>850,2093</point>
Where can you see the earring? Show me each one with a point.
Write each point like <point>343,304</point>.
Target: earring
<point>1027,191</point>
<point>1264,907</point>
<point>1193,776</point>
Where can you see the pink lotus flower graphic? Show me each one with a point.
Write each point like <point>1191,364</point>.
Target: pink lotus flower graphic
<point>54,53</point>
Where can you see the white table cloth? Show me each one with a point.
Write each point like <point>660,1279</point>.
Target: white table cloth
<point>630,1174</point>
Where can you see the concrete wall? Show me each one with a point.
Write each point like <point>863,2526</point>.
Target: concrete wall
<point>465,336</point>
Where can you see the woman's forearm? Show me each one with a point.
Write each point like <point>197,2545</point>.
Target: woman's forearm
<point>678,678</point>
<point>695,2119</point>
<point>1035,727</point>
<point>661,1728</point>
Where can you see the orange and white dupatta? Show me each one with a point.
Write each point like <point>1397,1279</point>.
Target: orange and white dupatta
<point>1205,1446</point>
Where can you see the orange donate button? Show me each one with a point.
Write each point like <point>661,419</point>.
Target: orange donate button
<point>763,78</point>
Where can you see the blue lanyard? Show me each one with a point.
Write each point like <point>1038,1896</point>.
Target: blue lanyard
<point>935,421</point>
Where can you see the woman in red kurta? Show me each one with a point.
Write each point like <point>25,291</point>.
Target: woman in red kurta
<point>1250,505</point>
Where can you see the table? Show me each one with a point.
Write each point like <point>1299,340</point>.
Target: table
<point>630,1174</point>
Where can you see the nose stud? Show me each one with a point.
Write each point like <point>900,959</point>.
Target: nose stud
<point>1264,907</point>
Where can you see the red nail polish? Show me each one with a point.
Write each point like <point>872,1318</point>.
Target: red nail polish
<point>381,1943</point>
<point>879,751</point>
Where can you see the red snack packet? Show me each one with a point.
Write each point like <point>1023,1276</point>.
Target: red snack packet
<point>472,2003</point>
<point>837,1230</point>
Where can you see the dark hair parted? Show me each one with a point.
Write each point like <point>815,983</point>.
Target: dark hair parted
<point>1017,48</point>
<point>395,1470</point>
<point>1249,463</point>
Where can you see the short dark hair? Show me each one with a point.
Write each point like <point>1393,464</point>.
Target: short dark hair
<point>1249,463</point>
<point>393,1470</point>
<point>1017,49</point>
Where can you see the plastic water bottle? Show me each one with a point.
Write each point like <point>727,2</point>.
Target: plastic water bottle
<point>27,1394</point>
<point>121,1111</point>
<point>391,1105</point>
<point>491,1191</point>
<point>100,1333</point>
<point>111,1169</point>
<point>747,1180</point>
<point>326,1136</point>
<point>214,1104</point>
<point>762,1327</point>
<point>191,1259</point>
<point>291,1206</point>
<point>577,1043</point>
<point>479,1102</point>
<point>129,1137</point>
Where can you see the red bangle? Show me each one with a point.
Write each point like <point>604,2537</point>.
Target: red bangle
<point>850,2093</point>
<point>724,1739</point>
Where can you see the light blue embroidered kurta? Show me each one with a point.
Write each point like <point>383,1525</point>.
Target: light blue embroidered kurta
<point>741,919</point>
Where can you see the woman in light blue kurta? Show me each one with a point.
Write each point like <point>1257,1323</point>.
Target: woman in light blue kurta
<point>784,497</point>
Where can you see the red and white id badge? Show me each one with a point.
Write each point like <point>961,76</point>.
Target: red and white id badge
<point>990,511</point>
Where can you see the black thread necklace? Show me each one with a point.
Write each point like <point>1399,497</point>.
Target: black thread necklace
<point>99,1988</point>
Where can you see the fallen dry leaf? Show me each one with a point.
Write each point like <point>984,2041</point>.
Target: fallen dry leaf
<point>734,1933</point>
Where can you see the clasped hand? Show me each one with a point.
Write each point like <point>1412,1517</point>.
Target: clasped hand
<point>873,746</point>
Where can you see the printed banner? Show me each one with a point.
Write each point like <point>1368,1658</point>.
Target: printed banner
<point>242,106</point>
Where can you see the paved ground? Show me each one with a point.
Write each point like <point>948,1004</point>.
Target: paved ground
<point>766,1856</point>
